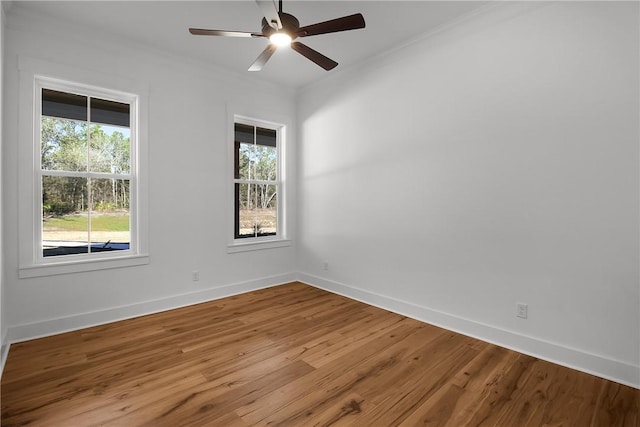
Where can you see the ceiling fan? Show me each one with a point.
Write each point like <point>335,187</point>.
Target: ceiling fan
<point>282,29</point>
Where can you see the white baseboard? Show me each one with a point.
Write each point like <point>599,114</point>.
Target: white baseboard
<point>601,366</point>
<point>49,327</point>
<point>604,367</point>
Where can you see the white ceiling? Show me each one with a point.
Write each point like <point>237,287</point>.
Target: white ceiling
<point>164,25</point>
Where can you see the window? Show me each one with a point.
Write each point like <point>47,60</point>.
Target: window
<point>85,173</point>
<point>82,203</point>
<point>257,182</point>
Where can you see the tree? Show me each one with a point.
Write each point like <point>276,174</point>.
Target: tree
<point>73,146</point>
<point>64,145</point>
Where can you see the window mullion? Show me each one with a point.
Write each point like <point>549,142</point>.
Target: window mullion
<point>80,174</point>
<point>70,174</point>
<point>255,181</point>
<point>105,175</point>
<point>89,213</point>
<point>89,184</point>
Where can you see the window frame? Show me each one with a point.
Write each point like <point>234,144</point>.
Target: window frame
<point>280,239</point>
<point>89,92</point>
<point>35,75</point>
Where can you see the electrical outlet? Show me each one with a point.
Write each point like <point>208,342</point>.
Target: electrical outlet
<point>522,310</point>
<point>325,265</point>
<point>195,275</point>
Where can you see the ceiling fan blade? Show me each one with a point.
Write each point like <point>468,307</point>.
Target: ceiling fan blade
<point>270,12</point>
<point>263,58</point>
<point>346,23</point>
<point>204,32</point>
<point>315,56</point>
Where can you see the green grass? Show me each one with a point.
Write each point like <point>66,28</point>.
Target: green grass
<point>99,222</point>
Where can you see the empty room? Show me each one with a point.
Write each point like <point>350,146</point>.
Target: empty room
<point>354,213</point>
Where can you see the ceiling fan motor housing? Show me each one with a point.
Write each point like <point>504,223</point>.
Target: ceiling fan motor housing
<point>290,25</point>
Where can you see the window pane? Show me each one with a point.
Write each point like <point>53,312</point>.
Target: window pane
<point>266,137</point>
<point>64,214</point>
<point>246,197</point>
<point>109,112</point>
<point>110,219</point>
<point>245,153</point>
<point>266,211</point>
<point>265,163</point>
<point>63,144</point>
<point>110,149</point>
<point>64,105</point>
<point>244,133</point>
<point>256,210</point>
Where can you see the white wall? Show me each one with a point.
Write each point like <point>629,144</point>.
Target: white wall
<point>187,192</point>
<point>3,325</point>
<point>493,163</point>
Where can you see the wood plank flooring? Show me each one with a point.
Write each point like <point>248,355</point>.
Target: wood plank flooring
<point>294,355</point>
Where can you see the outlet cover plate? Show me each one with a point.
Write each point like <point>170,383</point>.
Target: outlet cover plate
<point>522,310</point>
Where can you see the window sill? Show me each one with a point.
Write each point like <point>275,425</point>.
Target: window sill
<point>257,245</point>
<point>81,266</point>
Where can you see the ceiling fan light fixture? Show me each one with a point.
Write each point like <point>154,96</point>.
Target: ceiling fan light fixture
<point>283,28</point>
<point>280,39</point>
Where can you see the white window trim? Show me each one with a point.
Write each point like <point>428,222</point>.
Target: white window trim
<point>34,74</point>
<point>265,242</point>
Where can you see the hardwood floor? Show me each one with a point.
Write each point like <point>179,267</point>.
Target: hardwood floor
<point>294,355</point>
